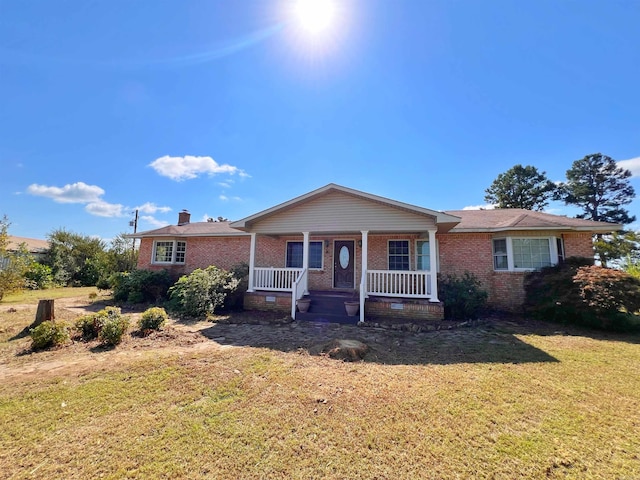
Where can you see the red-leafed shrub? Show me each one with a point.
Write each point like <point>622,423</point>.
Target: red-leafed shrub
<point>579,292</point>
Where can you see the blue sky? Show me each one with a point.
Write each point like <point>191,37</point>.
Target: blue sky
<point>228,107</point>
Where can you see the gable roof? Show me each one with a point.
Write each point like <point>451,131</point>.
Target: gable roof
<point>443,220</point>
<point>504,219</point>
<point>196,229</point>
<point>34,245</point>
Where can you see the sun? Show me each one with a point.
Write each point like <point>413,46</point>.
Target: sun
<point>315,16</point>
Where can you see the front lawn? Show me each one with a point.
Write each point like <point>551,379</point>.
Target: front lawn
<point>231,412</point>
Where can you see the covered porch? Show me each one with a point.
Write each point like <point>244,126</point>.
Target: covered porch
<point>380,252</point>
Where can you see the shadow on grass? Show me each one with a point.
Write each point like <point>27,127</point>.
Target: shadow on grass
<point>480,344</point>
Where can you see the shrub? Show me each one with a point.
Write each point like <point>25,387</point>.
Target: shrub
<point>152,319</point>
<point>235,298</point>
<point>38,276</point>
<point>140,286</point>
<point>48,334</point>
<point>579,292</point>
<point>463,296</point>
<point>114,328</point>
<point>202,292</point>
<point>91,325</point>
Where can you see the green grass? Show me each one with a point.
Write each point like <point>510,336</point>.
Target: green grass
<point>259,413</point>
<point>29,296</point>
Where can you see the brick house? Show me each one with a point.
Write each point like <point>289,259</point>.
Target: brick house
<point>384,254</point>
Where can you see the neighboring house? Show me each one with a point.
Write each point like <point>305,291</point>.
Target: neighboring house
<point>37,248</point>
<point>385,252</point>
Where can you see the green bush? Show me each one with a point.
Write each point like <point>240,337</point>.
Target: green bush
<point>580,293</point>
<point>91,324</point>
<point>140,286</point>
<point>114,328</point>
<point>235,298</point>
<point>152,319</point>
<point>38,276</point>
<point>463,297</point>
<point>48,334</point>
<point>202,292</point>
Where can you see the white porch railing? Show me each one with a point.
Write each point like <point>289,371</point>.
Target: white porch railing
<point>276,279</point>
<point>299,287</point>
<point>394,283</point>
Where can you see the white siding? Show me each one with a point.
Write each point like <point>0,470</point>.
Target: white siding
<point>340,212</point>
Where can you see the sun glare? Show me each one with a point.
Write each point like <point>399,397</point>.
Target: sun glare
<point>315,16</point>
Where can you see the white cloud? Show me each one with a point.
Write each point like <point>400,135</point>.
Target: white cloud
<point>480,207</point>
<point>78,192</point>
<point>182,168</point>
<point>224,198</point>
<point>633,165</point>
<point>205,217</point>
<point>154,221</point>
<point>104,209</point>
<point>149,207</point>
<point>225,184</point>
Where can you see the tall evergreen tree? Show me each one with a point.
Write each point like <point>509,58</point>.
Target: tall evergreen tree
<point>521,187</point>
<point>600,188</point>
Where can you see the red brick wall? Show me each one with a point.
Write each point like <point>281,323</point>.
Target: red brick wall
<point>223,252</point>
<point>578,245</point>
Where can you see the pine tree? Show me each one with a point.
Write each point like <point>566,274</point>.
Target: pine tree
<point>521,187</point>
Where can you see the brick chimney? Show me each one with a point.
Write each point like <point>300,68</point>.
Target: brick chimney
<point>183,217</point>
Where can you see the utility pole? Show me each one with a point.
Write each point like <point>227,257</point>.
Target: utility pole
<point>134,223</point>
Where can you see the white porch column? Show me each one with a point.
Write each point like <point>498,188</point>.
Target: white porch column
<point>364,267</point>
<point>252,260</point>
<point>305,259</point>
<point>365,252</point>
<point>433,266</point>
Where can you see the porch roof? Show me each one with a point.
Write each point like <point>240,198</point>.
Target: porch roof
<point>334,209</point>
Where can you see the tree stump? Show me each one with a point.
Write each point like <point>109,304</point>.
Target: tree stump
<point>45,312</point>
<point>348,350</point>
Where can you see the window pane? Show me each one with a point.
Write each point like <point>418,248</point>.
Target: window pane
<point>500,246</point>
<point>531,253</point>
<point>500,254</point>
<point>181,249</point>
<point>398,255</point>
<point>315,255</point>
<point>422,255</point>
<point>500,262</point>
<point>164,251</point>
<point>294,254</point>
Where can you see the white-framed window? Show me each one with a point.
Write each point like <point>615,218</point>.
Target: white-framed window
<point>526,253</point>
<point>294,255</point>
<point>169,251</point>
<point>399,255</point>
<point>423,255</point>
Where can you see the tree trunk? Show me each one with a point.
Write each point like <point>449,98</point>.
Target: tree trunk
<point>44,313</point>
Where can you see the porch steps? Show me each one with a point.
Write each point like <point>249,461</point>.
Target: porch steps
<point>328,307</point>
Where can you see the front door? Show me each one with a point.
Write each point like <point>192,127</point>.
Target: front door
<point>343,264</point>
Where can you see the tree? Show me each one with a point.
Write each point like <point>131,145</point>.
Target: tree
<point>13,264</point>
<point>600,188</point>
<point>75,259</point>
<point>521,187</point>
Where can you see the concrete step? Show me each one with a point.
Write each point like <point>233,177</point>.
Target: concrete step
<point>327,318</point>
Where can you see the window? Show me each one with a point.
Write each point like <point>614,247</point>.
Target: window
<point>169,251</point>
<point>423,259</point>
<point>294,255</point>
<point>531,253</point>
<point>526,253</point>
<point>500,254</point>
<point>398,254</point>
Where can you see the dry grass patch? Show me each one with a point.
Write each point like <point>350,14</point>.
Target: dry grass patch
<point>247,412</point>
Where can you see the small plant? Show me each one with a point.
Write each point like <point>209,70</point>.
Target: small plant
<point>92,324</point>
<point>48,334</point>
<point>113,330</point>
<point>202,292</point>
<point>38,276</point>
<point>152,319</point>
<point>463,296</point>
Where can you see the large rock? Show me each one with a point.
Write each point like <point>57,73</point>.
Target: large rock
<point>344,349</point>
